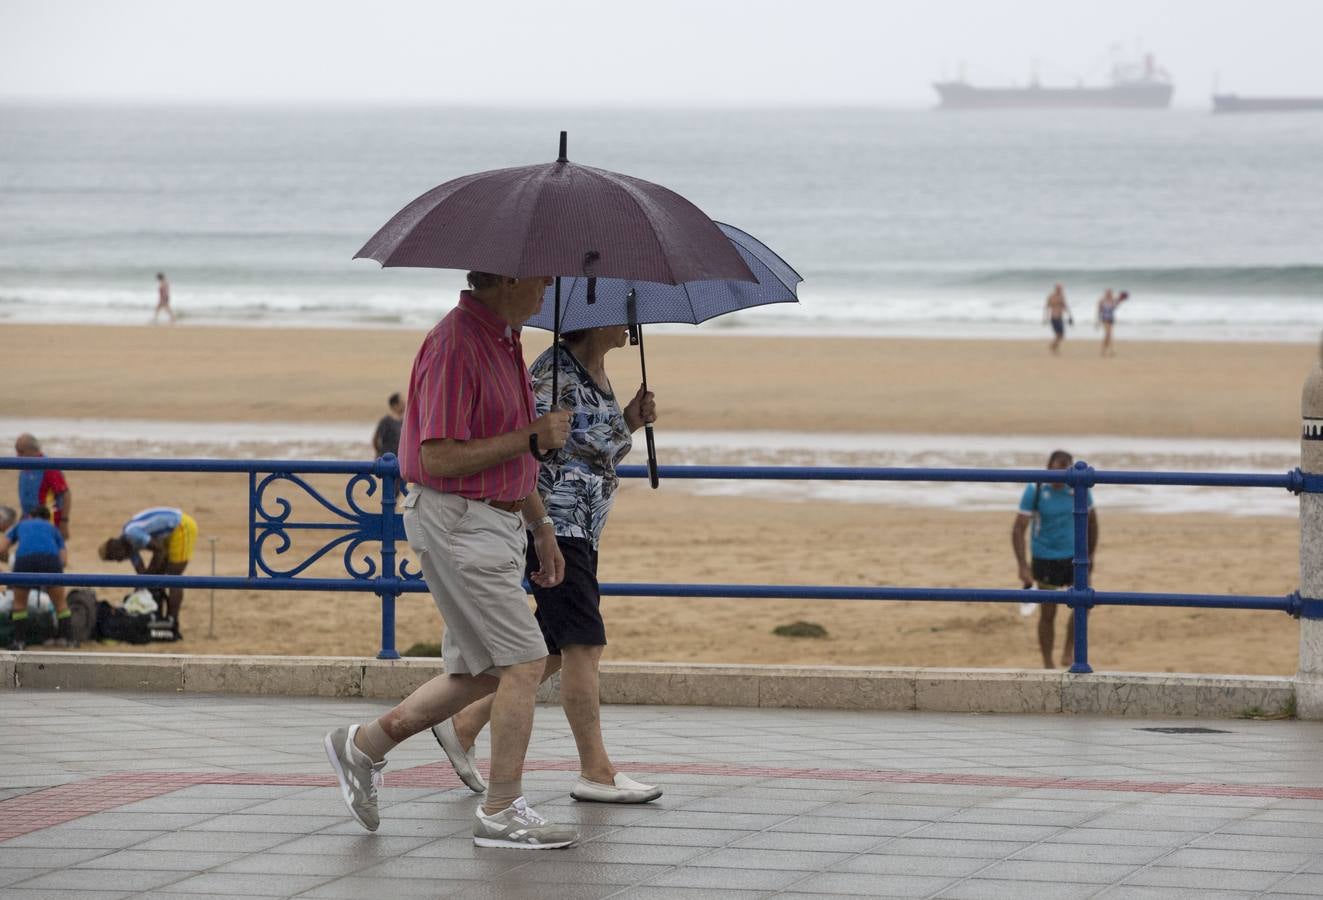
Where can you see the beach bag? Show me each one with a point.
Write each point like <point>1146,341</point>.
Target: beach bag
<point>114,624</point>
<point>82,614</point>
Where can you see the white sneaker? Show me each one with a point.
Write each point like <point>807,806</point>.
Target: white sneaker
<point>466,764</point>
<point>625,790</point>
<point>359,777</point>
<point>519,827</point>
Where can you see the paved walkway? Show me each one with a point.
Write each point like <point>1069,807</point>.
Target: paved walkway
<point>151,795</point>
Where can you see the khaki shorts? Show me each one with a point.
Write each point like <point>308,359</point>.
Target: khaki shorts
<point>472,557</point>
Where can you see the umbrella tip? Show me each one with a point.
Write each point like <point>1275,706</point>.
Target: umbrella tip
<point>564,139</point>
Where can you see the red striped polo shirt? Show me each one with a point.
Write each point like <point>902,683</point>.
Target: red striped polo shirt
<point>469,380</point>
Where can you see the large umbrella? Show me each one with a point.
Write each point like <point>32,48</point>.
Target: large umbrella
<point>558,219</point>
<point>601,302</point>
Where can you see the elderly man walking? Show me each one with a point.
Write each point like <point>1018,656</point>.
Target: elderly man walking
<point>465,450</point>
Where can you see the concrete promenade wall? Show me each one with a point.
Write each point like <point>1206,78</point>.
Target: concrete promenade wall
<point>802,687</point>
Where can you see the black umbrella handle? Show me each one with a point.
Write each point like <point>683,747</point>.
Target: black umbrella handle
<point>636,337</point>
<point>652,457</point>
<point>538,454</point>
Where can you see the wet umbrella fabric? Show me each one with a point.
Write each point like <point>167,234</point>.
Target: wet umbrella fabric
<point>558,219</point>
<point>692,302</point>
<point>602,302</point>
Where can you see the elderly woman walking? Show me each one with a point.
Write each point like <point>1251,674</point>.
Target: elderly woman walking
<point>578,487</point>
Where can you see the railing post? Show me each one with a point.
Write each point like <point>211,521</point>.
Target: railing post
<point>1079,594</point>
<point>1309,679</point>
<point>389,469</point>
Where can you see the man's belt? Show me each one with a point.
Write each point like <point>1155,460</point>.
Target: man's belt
<point>508,505</point>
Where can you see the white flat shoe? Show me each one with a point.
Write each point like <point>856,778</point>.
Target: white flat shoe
<point>625,790</point>
<point>465,763</point>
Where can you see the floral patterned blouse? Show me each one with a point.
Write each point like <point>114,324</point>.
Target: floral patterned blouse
<point>578,484</point>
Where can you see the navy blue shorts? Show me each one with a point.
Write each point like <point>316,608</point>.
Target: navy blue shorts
<point>570,612</point>
<point>1059,326</point>
<point>38,562</point>
<point>1057,573</point>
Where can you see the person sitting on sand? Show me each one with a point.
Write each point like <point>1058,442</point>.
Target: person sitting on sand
<point>1106,317</point>
<point>41,548</point>
<point>170,534</point>
<point>1051,509</point>
<point>1057,311</point>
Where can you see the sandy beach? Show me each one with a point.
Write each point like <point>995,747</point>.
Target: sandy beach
<point>729,383</point>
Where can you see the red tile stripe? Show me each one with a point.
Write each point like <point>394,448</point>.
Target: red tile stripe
<point>57,805</point>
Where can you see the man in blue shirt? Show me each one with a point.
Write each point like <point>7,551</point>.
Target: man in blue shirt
<point>40,549</point>
<point>1051,510</point>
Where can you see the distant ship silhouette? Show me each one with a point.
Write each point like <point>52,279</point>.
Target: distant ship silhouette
<point>1132,87</point>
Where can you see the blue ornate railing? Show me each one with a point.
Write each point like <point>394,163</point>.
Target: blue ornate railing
<point>358,532</point>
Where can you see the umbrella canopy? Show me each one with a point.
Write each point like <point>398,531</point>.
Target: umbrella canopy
<point>692,302</point>
<point>558,219</point>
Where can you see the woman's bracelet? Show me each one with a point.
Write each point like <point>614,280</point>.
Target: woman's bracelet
<point>538,523</point>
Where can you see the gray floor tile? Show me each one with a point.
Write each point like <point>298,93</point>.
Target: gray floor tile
<point>102,879</point>
<point>987,889</point>
<point>569,871</point>
<point>745,858</point>
<point>1210,879</point>
<point>1055,871</point>
<point>698,877</point>
<point>883,864</point>
<point>1310,885</point>
<point>647,892</point>
<point>872,885</point>
<point>358,888</point>
<point>1134,892</point>
<point>239,885</point>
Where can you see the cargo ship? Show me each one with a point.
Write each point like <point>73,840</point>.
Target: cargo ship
<point>1234,103</point>
<point>1132,87</point>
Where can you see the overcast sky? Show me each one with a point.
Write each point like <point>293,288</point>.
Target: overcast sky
<point>672,52</point>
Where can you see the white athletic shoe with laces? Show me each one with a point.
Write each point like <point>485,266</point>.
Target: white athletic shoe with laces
<point>518,826</point>
<point>360,778</point>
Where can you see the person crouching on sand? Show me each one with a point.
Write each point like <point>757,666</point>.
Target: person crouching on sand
<point>171,535</point>
<point>40,549</point>
<point>1051,509</point>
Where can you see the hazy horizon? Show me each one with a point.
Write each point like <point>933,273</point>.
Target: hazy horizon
<point>595,54</point>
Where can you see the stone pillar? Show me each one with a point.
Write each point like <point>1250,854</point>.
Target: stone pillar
<point>1309,680</point>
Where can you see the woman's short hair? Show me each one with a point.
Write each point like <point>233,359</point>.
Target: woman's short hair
<point>573,337</point>
<point>1060,456</point>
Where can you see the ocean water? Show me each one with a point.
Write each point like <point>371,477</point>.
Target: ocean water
<point>901,222</point>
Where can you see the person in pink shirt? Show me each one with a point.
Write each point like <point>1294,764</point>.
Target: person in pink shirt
<point>465,448</point>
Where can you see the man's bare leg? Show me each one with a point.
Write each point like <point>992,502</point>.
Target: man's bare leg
<point>512,726</point>
<point>432,702</point>
<point>1047,618</point>
<point>470,720</point>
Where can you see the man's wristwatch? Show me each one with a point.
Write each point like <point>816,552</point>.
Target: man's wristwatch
<point>538,523</point>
